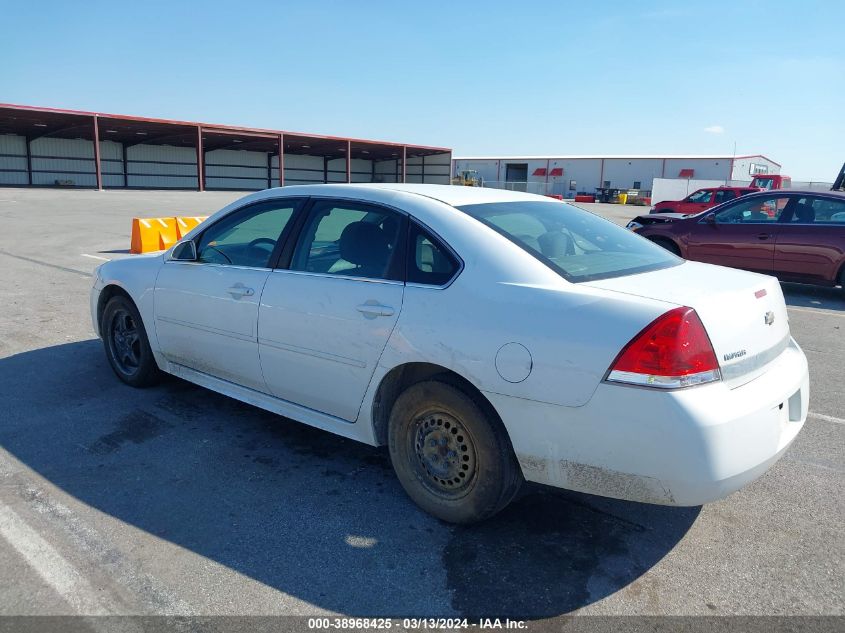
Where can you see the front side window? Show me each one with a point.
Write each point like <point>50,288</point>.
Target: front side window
<point>576,244</point>
<point>351,239</point>
<point>429,261</point>
<point>247,237</point>
<point>757,210</point>
<point>700,197</point>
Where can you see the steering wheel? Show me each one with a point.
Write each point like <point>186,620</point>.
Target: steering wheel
<point>262,240</point>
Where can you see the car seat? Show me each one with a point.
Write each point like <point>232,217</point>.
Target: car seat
<point>804,212</point>
<point>556,244</point>
<point>367,247</point>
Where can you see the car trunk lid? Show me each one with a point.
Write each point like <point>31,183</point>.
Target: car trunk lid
<point>744,313</point>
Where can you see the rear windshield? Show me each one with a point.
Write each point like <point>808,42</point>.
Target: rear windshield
<point>577,244</point>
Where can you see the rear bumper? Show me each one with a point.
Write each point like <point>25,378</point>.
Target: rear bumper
<point>684,447</point>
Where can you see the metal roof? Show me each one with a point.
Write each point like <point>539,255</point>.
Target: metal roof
<point>615,156</point>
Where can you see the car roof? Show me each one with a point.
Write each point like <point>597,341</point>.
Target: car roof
<point>454,195</point>
<point>802,192</point>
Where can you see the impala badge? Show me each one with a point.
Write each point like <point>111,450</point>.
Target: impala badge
<point>769,318</point>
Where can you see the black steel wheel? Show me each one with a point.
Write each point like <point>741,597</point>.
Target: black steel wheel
<point>446,457</point>
<point>452,456</point>
<point>127,347</point>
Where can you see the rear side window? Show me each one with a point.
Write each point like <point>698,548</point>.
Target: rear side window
<point>429,261</point>
<point>577,244</point>
<point>818,211</point>
<point>351,239</point>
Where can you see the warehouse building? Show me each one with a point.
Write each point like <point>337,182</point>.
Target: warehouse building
<point>49,147</point>
<point>570,175</point>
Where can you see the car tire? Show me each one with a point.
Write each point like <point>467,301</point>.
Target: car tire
<point>669,245</point>
<point>126,343</point>
<point>454,460</point>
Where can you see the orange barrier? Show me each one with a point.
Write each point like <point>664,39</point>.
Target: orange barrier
<point>158,234</point>
<point>186,224</point>
<point>153,234</point>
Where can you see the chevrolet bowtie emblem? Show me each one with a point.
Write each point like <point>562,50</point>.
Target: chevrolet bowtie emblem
<point>769,318</point>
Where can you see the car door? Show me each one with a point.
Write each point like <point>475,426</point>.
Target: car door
<point>328,310</point>
<point>206,310</point>
<point>811,241</point>
<point>740,235</point>
<point>696,202</point>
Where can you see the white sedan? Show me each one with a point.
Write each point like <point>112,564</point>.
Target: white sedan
<point>487,337</point>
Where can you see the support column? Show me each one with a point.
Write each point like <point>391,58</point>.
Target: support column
<point>269,170</point>
<point>125,170</point>
<point>422,170</point>
<point>200,161</point>
<point>97,154</point>
<point>348,161</point>
<point>325,169</point>
<point>281,160</point>
<point>548,167</point>
<point>28,162</point>
<point>404,161</point>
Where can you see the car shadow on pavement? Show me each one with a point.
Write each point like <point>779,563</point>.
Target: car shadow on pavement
<point>807,296</point>
<point>313,515</point>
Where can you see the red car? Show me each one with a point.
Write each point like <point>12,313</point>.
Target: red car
<point>702,199</point>
<point>796,235</point>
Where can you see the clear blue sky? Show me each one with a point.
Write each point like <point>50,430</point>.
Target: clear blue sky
<point>484,77</point>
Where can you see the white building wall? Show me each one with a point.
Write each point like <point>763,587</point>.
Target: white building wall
<point>624,172</point>
<point>745,168</point>
<point>586,172</point>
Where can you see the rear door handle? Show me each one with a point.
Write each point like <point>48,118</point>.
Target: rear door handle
<point>763,236</point>
<point>374,309</point>
<point>239,290</point>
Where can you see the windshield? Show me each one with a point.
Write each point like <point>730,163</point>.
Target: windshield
<point>577,244</point>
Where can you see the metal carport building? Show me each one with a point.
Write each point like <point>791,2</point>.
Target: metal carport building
<point>51,147</point>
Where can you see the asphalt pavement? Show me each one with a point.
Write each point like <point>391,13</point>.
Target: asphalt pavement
<point>179,501</point>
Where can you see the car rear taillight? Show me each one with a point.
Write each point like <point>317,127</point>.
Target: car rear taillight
<point>672,351</point>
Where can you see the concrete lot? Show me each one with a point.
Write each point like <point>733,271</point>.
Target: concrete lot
<point>175,500</point>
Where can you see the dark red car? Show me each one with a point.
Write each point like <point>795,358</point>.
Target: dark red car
<point>702,199</point>
<point>796,235</point>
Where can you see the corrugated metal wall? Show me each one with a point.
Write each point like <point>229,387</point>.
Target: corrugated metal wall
<point>433,169</point>
<point>387,171</point>
<point>70,162</point>
<point>237,169</point>
<point>63,161</point>
<point>161,167</point>
<point>13,160</point>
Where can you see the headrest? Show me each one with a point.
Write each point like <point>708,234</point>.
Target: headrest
<point>365,244</point>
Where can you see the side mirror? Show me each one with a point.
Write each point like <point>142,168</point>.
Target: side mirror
<point>184,252</point>
<point>710,218</point>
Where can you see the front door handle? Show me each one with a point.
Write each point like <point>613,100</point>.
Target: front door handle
<point>239,290</point>
<point>763,236</point>
<point>374,309</point>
